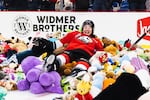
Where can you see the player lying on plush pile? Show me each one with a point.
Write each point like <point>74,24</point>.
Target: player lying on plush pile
<point>80,47</point>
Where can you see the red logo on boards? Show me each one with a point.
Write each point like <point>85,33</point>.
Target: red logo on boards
<point>143,25</point>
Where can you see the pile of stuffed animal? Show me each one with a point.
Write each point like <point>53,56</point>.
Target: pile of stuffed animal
<point>117,73</point>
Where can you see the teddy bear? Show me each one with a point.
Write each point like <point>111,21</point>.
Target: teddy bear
<point>16,44</point>
<point>38,81</point>
<point>67,68</point>
<point>19,46</point>
<point>111,46</point>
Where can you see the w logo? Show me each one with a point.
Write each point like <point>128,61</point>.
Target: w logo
<point>22,25</point>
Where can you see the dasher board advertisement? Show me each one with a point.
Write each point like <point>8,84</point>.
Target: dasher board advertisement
<point>114,25</point>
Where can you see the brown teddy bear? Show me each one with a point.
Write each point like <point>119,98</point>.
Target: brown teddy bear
<point>67,68</point>
<point>111,46</point>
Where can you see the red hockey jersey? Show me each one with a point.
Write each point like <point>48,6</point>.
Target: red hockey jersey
<point>78,40</point>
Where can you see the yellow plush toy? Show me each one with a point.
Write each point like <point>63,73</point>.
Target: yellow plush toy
<point>111,49</point>
<point>83,88</point>
<point>111,46</point>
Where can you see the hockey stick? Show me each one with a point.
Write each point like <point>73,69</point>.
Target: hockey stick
<point>139,39</point>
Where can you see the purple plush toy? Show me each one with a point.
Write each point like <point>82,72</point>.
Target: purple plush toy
<point>29,63</point>
<point>38,81</point>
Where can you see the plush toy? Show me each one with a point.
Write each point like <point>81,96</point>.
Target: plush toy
<point>66,5</point>
<point>65,84</point>
<point>127,66</point>
<point>144,77</point>
<point>107,82</point>
<point>127,87</point>
<point>128,44</point>
<point>29,63</point>
<point>60,49</point>
<point>26,66</point>
<point>138,64</point>
<point>17,44</point>
<point>110,74</point>
<point>116,6</point>
<point>1,49</point>
<point>83,88</point>
<point>7,49</point>
<point>2,54</point>
<point>69,84</point>
<point>10,85</point>
<point>7,82</point>
<point>145,55</point>
<point>111,46</point>
<point>111,49</point>
<point>11,68</point>
<point>2,75</point>
<point>3,93</point>
<point>69,95</point>
<point>97,60</point>
<point>67,68</point>
<point>54,36</point>
<point>38,81</point>
<point>97,83</point>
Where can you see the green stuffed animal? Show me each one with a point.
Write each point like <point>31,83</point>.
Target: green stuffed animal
<point>3,93</point>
